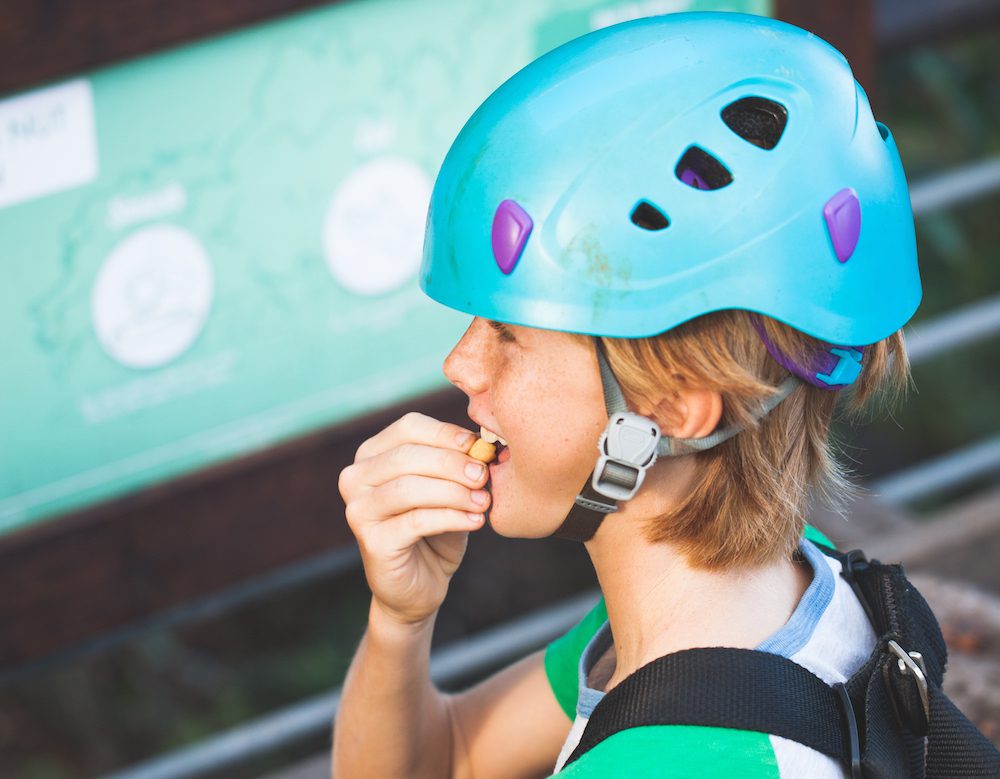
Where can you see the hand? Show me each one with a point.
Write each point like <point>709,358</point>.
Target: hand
<point>412,496</point>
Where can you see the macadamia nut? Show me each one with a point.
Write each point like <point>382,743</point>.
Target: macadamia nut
<point>483,451</point>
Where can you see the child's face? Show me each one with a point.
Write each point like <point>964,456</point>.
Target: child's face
<point>541,392</point>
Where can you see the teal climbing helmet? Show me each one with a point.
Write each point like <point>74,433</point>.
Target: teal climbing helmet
<point>664,168</point>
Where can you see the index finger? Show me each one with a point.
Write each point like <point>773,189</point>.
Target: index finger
<point>416,428</point>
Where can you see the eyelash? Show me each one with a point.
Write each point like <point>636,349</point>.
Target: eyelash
<point>502,332</point>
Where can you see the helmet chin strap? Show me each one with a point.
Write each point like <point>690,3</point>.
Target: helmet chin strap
<point>628,447</point>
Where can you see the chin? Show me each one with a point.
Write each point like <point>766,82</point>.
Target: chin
<point>514,524</point>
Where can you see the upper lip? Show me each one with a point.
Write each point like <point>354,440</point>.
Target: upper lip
<point>490,427</point>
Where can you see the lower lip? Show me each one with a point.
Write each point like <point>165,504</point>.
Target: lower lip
<point>499,462</point>
<point>496,469</point>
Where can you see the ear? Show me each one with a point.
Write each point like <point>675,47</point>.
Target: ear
<point>687,412</point>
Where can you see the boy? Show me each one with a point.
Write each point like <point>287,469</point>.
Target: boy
<point>680,237</point>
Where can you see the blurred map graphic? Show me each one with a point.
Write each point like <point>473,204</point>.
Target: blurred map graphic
<point>213,249</point>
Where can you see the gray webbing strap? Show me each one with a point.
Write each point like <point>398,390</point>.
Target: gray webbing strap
<point>590,506</point>
<point>669,447</point>
<point>614,400</point>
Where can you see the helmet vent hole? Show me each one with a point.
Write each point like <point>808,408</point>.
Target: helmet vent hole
<point>757,120</point>
<point>649,217</point>
<point>699,169</point>
<point>883,131</point>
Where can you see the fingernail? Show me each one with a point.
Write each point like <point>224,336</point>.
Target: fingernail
<point>464,439</point>
<point>475,519</point>
<point>480,497</point>
<point>474,471</point>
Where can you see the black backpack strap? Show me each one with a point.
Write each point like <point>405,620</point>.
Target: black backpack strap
<point>907,722</point>
<point>955,748</point>
<point>889,721</point>
<point>727,688</point>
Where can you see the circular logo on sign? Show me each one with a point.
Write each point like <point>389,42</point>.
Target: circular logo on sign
<point>152,296</point>
<point>374,227</point>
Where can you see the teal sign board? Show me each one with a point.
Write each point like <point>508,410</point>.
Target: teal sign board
<point>214,249</point>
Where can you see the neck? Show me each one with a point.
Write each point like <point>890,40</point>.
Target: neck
<point>658,603</point>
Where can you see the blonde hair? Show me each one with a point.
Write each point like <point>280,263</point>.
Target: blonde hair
<point>750,494</point>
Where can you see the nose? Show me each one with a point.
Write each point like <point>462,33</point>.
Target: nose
<point>465,365</point>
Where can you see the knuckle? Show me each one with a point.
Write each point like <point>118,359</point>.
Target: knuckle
<point>446,434</point>
<point>459,496</point>
<point>364,543</point>
<point>405,453</point>
<point>418,522</point>
<point>450,460</point>
<point>345,483</point>
<point>411,421</point>
<point>351,515</point>
<point>462,498</point>
<point>405,486</point>
<point>458,462</point>
<point>362,451</point>
<point>437,461</point>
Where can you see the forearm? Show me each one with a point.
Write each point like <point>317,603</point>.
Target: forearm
<point>391,720</point>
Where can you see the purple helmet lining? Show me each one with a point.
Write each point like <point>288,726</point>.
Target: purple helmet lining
<point>824,361</point>
<point>692,179</point>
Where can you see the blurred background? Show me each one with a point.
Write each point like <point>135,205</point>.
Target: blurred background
<point>210,224</point>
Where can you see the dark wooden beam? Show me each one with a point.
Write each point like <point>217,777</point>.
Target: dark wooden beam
<point>44,40</point>
<point>849,25</point>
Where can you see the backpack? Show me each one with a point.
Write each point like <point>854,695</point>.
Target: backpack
<point>890,720</point>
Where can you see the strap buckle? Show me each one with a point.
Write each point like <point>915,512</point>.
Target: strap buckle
<point>596,505</point>
<point>627,449</point>
<point>912,664</point>
<point>847,369</point>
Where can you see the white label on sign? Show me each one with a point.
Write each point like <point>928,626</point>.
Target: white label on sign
<point>48,142</point>
<point>152,296</point>
<point>373,232</point>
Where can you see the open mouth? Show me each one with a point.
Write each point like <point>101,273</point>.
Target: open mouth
<point>502,450</point>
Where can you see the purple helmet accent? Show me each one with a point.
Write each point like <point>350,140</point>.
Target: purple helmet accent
<point>692,179</point>
<point>831,367</point>
<point>843,219</point>
<point>511,227</point>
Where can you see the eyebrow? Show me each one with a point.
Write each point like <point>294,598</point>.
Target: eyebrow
<point>502,331</point>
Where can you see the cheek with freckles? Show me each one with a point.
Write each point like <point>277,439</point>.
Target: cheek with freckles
<point>553,423</point>
<point>563,471</point>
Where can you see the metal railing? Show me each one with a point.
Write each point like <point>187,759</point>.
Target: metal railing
<point>452,665</point>
<point>955,187</point>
